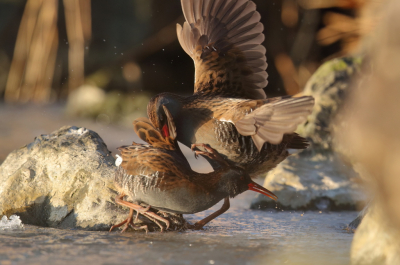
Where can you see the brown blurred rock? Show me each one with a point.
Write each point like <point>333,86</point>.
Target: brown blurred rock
<point>64,179</point>
<point>374,241</point>
<point>317,178</point>
<point>372,118</point>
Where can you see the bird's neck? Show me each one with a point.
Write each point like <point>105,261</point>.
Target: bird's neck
<point>214,182</point>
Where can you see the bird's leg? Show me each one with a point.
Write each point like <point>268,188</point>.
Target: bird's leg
<point>210,152</point>
<point>127,221</point>
<point>138,208</point>
<point>199,225</point>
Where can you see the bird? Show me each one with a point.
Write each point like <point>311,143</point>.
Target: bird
<point>158,175</point>
<point>229,109</point>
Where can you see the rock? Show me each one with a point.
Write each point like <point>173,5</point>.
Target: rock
<point>317,178</point>
<point>329,86</point>
<point>65,180</point>
<point>114,107</point>
<point>312,182</point>
<point>375,240</point>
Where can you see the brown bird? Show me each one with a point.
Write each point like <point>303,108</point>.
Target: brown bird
<point>158,175</point>
<point>224,37</point>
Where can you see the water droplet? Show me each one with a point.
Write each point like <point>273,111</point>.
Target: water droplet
<point>211,261</point>
<point>104,40</point>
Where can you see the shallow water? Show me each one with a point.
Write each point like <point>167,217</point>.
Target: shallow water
<point>240,236</point>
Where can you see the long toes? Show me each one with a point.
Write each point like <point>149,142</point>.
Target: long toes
<point>144,227</point>
<point>166,224</point>
<point>125,228</point>
<point>118,225</point>
<point>155,218</point>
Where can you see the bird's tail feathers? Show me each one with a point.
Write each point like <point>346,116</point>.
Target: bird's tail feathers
<point>270,122</point>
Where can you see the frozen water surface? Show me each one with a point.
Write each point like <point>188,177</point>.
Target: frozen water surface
<point>241,236</point>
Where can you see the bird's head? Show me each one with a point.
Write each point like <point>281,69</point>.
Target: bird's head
<point>159,116</point>
<point>236,181</point>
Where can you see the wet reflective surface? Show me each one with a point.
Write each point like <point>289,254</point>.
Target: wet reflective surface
<point>241,236</point>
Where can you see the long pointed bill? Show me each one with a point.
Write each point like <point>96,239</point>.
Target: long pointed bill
<point>260,189</point>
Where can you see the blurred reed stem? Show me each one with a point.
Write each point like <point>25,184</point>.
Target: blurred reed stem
<point>32,67</point>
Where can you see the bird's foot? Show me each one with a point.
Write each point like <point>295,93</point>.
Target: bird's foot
<point>129,223</point>
<point>154,217</point>
<point>198,226</point>
<point>120,224</point>
<point>163,213</point>
<point>209,152</point>
<point>140,210</point>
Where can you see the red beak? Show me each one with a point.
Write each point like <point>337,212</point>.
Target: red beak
<point>260,189</point>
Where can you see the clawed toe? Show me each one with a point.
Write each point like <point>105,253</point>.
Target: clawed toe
<point>209,152</point>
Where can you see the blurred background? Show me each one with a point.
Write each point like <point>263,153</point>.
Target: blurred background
<point>62,61</point>
<point>97,63</point>
<point>50,49</point>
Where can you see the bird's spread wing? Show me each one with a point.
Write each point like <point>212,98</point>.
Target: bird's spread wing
<point>268,120</point>
<point>224,40</point>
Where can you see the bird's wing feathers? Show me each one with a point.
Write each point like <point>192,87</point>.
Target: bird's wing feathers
<point>135,160</point>
<point>268,120</point>
<point>224,40</point>
<point>158,166</point>
<point>148,133</point>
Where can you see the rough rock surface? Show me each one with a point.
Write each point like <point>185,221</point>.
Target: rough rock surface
<point>64,179</point>
<point>317,179</point>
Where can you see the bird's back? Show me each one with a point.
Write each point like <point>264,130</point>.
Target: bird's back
<point>205,120</point>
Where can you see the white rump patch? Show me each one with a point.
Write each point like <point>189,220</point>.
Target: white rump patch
<point>118,161</point>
